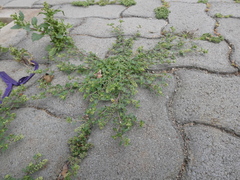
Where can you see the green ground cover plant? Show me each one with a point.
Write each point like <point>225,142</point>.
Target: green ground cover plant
<point>219,15</point>
<point>163,11</point>
<point>2,24</point>
<point>211,38</point>
<point>87,3</point>
<point>109,84</point>
<point>203,1</point>
<point>7,116</point>
<point>31,168</point>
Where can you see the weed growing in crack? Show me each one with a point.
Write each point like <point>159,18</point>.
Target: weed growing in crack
<point>237,1</point>
<point>203,1</point>
<point>2,24</point>
<point>56,29</point>
<point>110,84</point>
<point>211,38</point>
<point>7,116</point>
<point>219,15</point>
<point>31,168</point>
<point>163,11</point>
<point>87,3</point>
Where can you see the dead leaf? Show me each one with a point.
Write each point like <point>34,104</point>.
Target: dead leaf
<point>98,74</point>
<point>48,78</point>
<point>64,171</point>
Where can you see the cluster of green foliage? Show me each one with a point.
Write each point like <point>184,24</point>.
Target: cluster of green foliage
<point>2,24</point>
<point>237,1</point>
<point>219,15</point>
<point>113,81</point>
<point>31,169</point>
<point>55,28</point>
<point>211,38</point>
<point>203,1</point>
<point>7,116</point>
<point>103,2</point>
<point>109,84</point>
<point>163,11</point>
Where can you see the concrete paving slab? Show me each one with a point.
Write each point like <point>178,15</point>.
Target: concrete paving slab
<point>225,9</point>
<point>142,8</point>
<point>207,98</point>
<point>37,126</point>
<point>149,28</point>
<point>19,4</point>
<point>110,11</point>
<point>210,61</point>
<point>214,154</point>
<point>229,28</point>
<point>3,2</point>
<point>190,17</point>
<point>99,46</point>
<point>154,153</point>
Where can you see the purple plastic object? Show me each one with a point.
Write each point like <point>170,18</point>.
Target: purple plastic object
<point>11,82</point>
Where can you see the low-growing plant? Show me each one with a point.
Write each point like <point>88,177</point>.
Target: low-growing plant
<point>7,116</point>
<point>32,167</point>
<point>162,12</point>
<point>56,29</point>
<point>2,24</point>
<point>237,1</point>
<point>211,38</point>
<point>104,2</point>
<point>219,15</point>
<point>203,1</point>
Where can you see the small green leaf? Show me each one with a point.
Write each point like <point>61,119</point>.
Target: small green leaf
<point>34,21</point>
<point>52,52</point>
<point>36,36</point>
<point>16,27</point>
<point>21,16</point>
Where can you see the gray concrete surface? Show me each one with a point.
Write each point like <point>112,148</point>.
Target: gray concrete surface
<point>191,133</point>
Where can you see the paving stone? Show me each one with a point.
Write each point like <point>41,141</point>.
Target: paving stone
<point>210,61</point>
<point>54,2</point>
<point>229,28</point>
<point>147,27</point>
<point>143,8</point>
<point>43,134</point>
<point>110,11</point>
<point>196,1</point>
<point>208,98</point>
<point>73,106</point>
<point>154,153</point>
<point>147,44</point>
<point>225,9</point>
<point>99,46</point>
<point>213,154</point>
<point>20,4</point>
<point>3,2</point>
<point>190,17</point>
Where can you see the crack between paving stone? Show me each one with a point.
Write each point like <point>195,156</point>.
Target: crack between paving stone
<point>179,129</point>
<point>230,54</point>
<point>221,128</point>
<point>174,68</point>
<point>46,111</point>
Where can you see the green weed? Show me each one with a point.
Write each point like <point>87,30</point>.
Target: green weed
<point>162,12</point>
<point>2,24</point>
<point>104,2</point>
<point>56,29</point>
<point>203,1</point>
<point>211,38</point>
<point>219,15</point>
<point>31,169</point>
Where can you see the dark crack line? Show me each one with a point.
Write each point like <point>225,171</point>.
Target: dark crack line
<point>47,111</point>
<point>175,68</point>
<point>221,128</point>
<point>230,55</point>
<point>180,131</point>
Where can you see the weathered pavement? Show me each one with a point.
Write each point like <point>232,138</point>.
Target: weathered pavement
<point>192,132</point>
